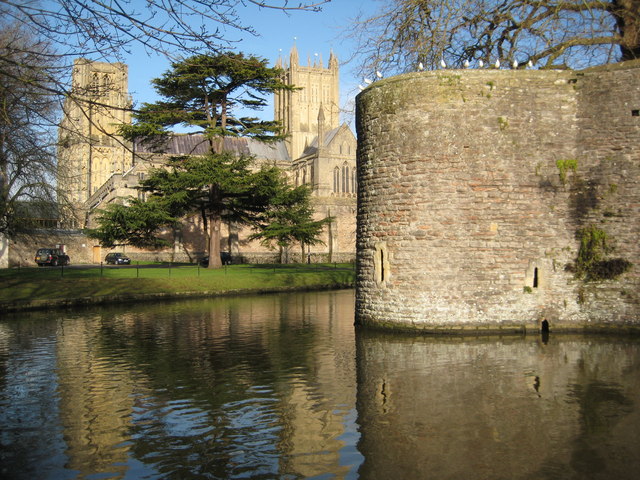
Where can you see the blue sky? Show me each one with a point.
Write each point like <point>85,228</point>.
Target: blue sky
<point>314,33</point>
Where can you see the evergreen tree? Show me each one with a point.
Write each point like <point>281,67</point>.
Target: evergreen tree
<point>133,224</point>
<point>201,93</point>
<point>290,220</point>
<point>220,186</point>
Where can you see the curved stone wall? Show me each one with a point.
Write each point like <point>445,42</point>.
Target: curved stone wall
<point>473,188</point>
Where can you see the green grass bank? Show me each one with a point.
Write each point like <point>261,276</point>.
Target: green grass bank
<point>36,288</point>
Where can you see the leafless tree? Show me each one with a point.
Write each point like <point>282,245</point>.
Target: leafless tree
<point>109,28</point>
<point>28,108</point>
<point>39,39</point>
<point>549,33</point>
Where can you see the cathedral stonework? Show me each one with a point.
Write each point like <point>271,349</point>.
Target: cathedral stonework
<point>97,167</point>
<point>89,151</point>
<point>298,110</point>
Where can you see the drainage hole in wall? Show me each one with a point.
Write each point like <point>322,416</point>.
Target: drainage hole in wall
<point>544,326</point>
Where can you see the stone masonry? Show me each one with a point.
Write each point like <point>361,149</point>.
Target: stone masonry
<point>469,208</point>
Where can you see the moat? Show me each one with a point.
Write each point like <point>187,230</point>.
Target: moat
<point>284,386</point>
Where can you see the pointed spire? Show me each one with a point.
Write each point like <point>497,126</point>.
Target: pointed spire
<point>320,127</point>
<point>293,56</point>
<point>333,60</point>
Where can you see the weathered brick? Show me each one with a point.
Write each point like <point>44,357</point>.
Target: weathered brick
<point>463,208</point>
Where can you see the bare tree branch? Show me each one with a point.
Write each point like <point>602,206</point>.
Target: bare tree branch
<point>572,33</point>
<point>39,39</point>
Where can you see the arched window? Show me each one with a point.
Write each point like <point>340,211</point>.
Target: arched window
<point>336,180</point>
<point>345,178</point>
<point>354,181</point>
<point>95,84</point>
<point>106,84</point>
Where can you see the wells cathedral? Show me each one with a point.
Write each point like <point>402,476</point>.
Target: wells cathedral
<point>96,167</point>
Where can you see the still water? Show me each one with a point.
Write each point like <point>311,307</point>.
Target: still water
<point>282,386</point>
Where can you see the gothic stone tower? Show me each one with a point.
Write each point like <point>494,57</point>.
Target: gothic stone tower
<point>89,151</point>
<point>298,110</point>
<point>321,150</point>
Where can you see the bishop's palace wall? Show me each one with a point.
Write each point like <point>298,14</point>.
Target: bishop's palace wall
<point>475,190</point>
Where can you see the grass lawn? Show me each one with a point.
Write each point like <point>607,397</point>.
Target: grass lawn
<point>26,285</point>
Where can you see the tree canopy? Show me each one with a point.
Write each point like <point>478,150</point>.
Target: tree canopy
<point>135,223</point>
<point>289,220</point>
<point>40,40</point>
<point>547,33</point>
<point>202,91</point>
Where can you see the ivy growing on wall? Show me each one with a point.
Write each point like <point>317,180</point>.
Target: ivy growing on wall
<point>564,166</point>
<point>592,264</point>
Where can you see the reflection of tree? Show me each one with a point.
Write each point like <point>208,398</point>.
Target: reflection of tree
<point>601,407</point>
<point>239,378</point>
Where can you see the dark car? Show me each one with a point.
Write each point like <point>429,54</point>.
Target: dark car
<point>51,256</point>
<point>225,258</point>
<point>117,258</point>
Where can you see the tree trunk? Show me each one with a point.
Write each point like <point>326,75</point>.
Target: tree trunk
<point>214,241</point>
<point>627,15</point>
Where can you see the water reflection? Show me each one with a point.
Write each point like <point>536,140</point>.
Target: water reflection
<point>281,386</point>
<point>498,408</point>
<point>254,387</point>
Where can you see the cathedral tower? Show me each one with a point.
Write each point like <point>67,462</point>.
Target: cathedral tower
<point>89,151</point>
<point>298,110</point>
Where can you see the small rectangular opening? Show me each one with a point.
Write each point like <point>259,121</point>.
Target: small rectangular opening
<point>635,113</point>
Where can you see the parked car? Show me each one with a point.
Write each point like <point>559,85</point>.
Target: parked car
<point>51,256</point>
<point>117,258</point>
<point>225,258</point>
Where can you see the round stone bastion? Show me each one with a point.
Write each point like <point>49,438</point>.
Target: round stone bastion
<point>476,190</point>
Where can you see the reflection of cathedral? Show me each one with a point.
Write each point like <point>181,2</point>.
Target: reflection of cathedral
<point>97,167</point>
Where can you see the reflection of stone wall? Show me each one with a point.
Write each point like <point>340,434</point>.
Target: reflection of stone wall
<point>95,404</point>
<point>507,409</point>
<point>463,217</point>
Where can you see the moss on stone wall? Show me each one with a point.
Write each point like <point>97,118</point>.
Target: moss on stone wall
<point>591,263</point>
<point>564,166</point>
